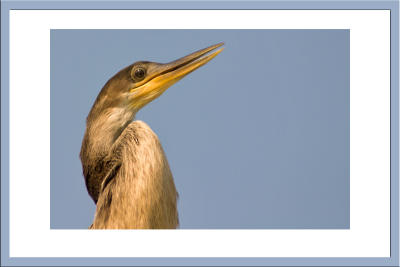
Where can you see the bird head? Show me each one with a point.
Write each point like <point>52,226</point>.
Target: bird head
<point>142,82</point>
<point>150,80</point>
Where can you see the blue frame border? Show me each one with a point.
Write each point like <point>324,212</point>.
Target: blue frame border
<point>391,5</point>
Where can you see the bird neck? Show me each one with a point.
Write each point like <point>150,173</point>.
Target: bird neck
<point>101,133</point>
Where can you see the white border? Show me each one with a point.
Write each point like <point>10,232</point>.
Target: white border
<point>30,234</point>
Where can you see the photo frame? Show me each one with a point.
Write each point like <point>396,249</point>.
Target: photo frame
<point>373,237</point>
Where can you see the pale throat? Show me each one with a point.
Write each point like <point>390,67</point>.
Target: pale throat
<point>107,127</point>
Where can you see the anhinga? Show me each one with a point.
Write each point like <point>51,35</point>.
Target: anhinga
<point>124,165</point>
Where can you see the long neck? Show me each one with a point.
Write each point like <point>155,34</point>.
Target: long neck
<point>101,132</point>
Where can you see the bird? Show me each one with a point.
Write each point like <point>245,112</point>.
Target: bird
<point>124,165</point>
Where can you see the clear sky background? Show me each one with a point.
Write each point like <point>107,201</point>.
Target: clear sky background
<point>257,138</point>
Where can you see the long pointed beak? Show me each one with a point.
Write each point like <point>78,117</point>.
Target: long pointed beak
<point>183,66</point>
<point>165,75</point>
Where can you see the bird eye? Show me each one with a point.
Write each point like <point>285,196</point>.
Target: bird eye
<point>139,73</point>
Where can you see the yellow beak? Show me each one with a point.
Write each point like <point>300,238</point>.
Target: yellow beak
<point>164,75</point>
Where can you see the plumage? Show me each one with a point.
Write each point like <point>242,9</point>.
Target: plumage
<point>125,168</point>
